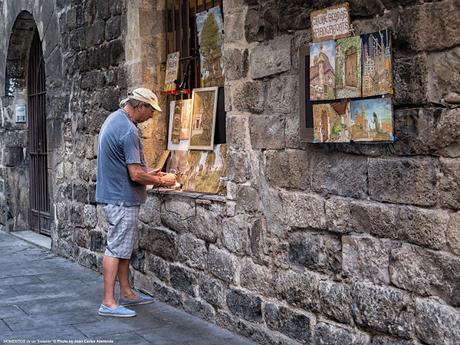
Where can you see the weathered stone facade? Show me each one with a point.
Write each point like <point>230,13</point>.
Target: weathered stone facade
<point>313,244</point>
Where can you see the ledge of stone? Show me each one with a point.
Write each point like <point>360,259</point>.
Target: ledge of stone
<point>189,195</point>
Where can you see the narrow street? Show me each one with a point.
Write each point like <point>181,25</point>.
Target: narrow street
<point>47,299</point>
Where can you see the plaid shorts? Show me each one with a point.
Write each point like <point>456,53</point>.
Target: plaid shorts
<point>122,227</point>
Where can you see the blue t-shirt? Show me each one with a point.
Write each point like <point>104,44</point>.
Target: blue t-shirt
<point>119,144</point>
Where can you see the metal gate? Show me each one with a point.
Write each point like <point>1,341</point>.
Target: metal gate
<point>39,216</point>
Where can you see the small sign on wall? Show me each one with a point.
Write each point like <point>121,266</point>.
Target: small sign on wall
<point>331,23</point>
<point>21,113</point>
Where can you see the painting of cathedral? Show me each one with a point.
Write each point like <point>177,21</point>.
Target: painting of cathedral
<point>322,70</point>
<point>332,122</point>
<point>377,64</point>
<point>204,108</point>
<point>210,38</point>
<point>348,67</point>
<point>372,120</point>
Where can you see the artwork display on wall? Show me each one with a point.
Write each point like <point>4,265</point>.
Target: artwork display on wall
<point>377,64</point>
<point>210,38</point>
<point>332,122</point>
<point>348,67</point>
<point>204,107</point>
<point>322,70</point>
<point>172,71</point>
<point>180,113</point>
<point>372,120</point>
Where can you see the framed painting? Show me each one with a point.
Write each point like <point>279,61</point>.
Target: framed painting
<point>348,67</point>
<point>322,71</point>
<point>180,113</point>
<point>172,71</point>
<point>209,26</point>
<point>372,120</point>
<point>202,127</point>
<point>332,122</point>
<point>377,64</point>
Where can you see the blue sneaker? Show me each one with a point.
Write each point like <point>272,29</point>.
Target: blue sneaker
<point>142,299</point>
<point>119,311</point>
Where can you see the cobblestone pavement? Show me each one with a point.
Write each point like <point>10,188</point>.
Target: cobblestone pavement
<point>45,299</point>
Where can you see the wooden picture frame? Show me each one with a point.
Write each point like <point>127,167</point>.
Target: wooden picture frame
<point>202,127</point>
<point>305,105</point>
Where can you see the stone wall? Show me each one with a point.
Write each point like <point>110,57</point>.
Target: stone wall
<point>313,244</point>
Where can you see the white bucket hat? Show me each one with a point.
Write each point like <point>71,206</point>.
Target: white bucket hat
<point>145,95</point>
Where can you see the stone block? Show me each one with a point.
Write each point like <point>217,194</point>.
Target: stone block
<point>173,207</point>
<point>391,341</point>
<point>95,34</point>
<point>299,289</point>
<point>437,323</point>
<point>207,221</point>
<point>423,26</point>
<point>183,279</point>
<point>236,63</point>
<point>294,15</point>
<point>249,96</point>
<point>237,131</point>
<point>253,26</point>
<point>410,80</point>
<point>338,214</point>
<point>404,180</point>
<point>239,170</point>
<point>159,241</point>
<point>335,301</point>
<point>255,277</point>
<point>199,308</point>
<point>258,240</point>
<point>235,234</point>
<point>375,218</point>
<point>192,251</point>
<point>316,251</point>
<point>453,233</point>
<point>90,215</point>
<point>271,57</point>
<point>443,72</point>
<point>212,290</point>
<point>383,309</point>
<point>294,324</point>
<point>447,135</point>
<point>339,174</point>
<point>150,211</point>
<point>426,272</point>
<point>426,228</point>
<point>81,237</point>
<point>449,184</point>
<point>303,210</point>
<point>366,258</point>
<point>248,200</point>
<point>244,305</point>
<point>157,266</point>
<point>282,94</point>
<point>267,131</point>
<point>13,156</point>
<point>234,27</point>
<point>297,162</point>
<point>222,264</point>
<point>138,260</point>
<point>329,334</point>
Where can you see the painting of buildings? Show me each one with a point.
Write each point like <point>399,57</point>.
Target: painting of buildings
<point>348,67</point>
<point>372,120</point>
<point>204,106</point>
<point>179,124</point>
<point>332,122</point>
<point>377,64</point>
<point>210,38</point>
<point>322,70</point>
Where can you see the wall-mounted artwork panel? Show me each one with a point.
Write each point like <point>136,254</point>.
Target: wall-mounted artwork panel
<point>377,64</point>
<point>180,113</point>
<point>332,122</point>
<point>372,120</point>
<point>322,70</point>
<point>348,67</point>
<point>204,107</point>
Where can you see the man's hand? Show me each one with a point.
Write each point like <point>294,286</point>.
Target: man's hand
<point>168,180</point>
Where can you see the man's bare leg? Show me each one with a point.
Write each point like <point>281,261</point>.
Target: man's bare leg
<point>110,267</point>
<point>123,278</point>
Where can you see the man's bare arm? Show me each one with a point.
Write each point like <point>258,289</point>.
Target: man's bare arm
<point>139,175</point>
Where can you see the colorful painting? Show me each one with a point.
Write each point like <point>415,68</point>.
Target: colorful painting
<point>372,120</point>
<point>172,71</point>
<point>377,64</point>
<point>210,38</point>
<point>204,107</point>
<point>206,171</point>
<point>180,113</point>
<point>332,122</point>
<point>322,70</point>
<point>161,161</point>
<point>348,67</point>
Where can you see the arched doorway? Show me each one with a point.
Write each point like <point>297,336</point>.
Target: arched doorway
<point>39,213</point>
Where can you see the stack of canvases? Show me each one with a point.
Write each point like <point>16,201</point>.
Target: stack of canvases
<point>199,164</point>
<point>351,83</point>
